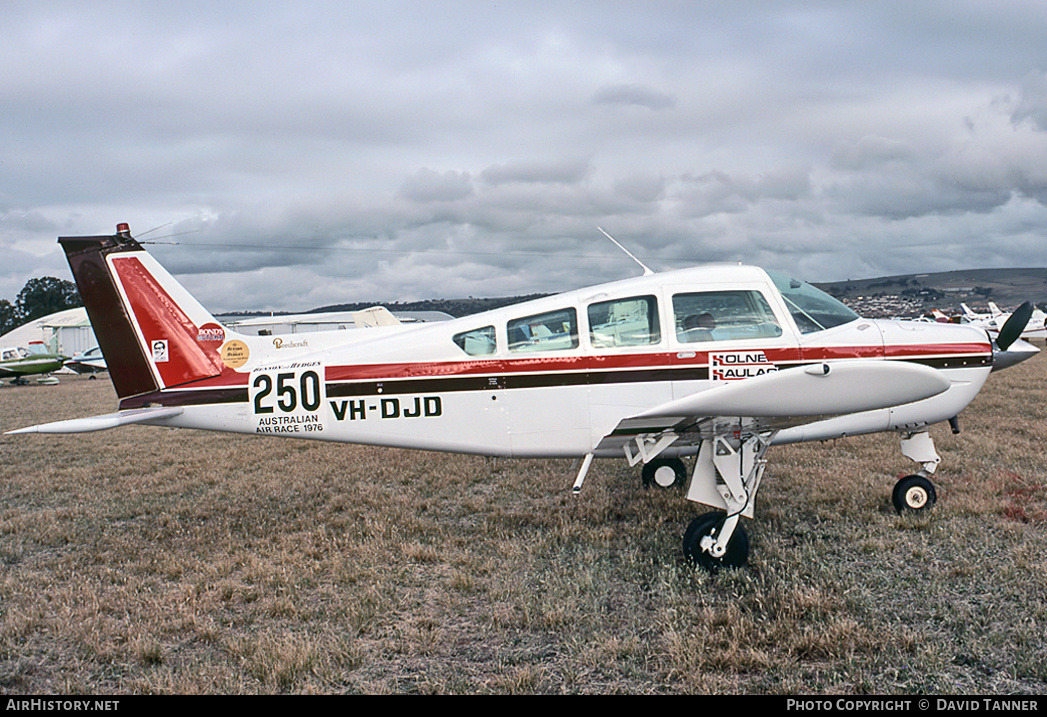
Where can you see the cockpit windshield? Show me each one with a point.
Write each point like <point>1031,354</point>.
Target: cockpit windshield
<point>811,308</point>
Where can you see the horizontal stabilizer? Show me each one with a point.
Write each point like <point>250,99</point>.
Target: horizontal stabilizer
<point>101,423</point>
<point>824,389</point>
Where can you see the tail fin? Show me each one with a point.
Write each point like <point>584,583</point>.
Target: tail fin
<point>152,332</point>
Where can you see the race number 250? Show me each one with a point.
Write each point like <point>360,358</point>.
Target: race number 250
<point>290,391</point>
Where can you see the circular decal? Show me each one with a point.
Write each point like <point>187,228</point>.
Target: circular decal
<point>211,333</point>
<point>235,353</point>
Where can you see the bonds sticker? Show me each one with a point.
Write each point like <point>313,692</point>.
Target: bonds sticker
<point>210,333</point>
<point>235,353</point>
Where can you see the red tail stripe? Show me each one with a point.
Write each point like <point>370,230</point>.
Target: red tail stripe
<point>161,319</point>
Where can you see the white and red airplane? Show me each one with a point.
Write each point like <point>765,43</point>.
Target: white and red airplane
<point>716,362</point>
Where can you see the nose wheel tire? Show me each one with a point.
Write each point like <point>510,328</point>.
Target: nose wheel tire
<point>710,525</point>
<point>913,494</point>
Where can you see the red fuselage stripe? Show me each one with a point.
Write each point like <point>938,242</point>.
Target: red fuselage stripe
<point>979,353</point>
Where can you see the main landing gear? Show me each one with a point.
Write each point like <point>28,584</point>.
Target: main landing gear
<point>727,475</point>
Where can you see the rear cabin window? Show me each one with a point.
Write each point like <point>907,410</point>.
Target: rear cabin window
<point>551,331</point>
<point>478,342</point>
<point>723,316</point>
<point>624,322</point>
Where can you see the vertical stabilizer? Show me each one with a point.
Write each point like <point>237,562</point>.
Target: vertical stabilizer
<point>153,333</point>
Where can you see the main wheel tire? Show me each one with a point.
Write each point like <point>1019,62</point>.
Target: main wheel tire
<point>710,524</point>
<point>913,494</point>
<point>664,473</point>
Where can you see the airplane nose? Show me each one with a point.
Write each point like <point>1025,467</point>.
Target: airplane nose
<point>1018,351</point>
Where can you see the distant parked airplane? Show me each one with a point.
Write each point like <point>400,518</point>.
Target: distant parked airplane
<point>91,361</point>
<point>1035,326</point>
<point>20,362</point>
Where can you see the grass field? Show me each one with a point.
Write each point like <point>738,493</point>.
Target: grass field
<point>149,560</point>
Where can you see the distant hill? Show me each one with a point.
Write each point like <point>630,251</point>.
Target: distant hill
<point>1007,287</point>
<point>454,307</point>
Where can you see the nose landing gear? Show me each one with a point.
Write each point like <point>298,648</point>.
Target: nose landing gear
<point>915,493</point>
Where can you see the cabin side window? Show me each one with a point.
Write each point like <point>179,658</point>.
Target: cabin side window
<point>624,322</point>
<point>551,331</point>
<point>478,342</point>
<point>723,316</point>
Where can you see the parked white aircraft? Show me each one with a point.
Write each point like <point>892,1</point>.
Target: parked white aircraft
<point>90,362</point>
<point>716,362</point>
<point>1034,325</point>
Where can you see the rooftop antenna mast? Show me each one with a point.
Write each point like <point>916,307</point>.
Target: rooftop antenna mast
<point>646,271</point>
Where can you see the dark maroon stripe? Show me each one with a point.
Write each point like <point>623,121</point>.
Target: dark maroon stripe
<point>456,384</point>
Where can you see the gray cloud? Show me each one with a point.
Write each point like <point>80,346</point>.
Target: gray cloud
<point>298,155</point>
<point>637,95</point>
<point>429,186</point>
<point>561,172</point>
<point>1032,104</point>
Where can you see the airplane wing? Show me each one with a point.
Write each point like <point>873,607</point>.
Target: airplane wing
<point>782,399</point>
<point>101,423</point>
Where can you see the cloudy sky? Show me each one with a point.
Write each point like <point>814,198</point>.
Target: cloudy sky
<point>293,155</point>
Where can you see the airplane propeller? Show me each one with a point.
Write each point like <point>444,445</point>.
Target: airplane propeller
<point>1008,349</point>
<point>1013,327</point>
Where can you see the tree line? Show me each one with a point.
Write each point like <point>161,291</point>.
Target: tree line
<point>38,298</point>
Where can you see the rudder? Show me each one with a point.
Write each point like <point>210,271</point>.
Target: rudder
<point>152,332</point>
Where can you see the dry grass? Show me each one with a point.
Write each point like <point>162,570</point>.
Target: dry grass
<point>147,560</point>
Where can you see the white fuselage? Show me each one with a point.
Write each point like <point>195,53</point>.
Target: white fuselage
<point>554,376</point>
